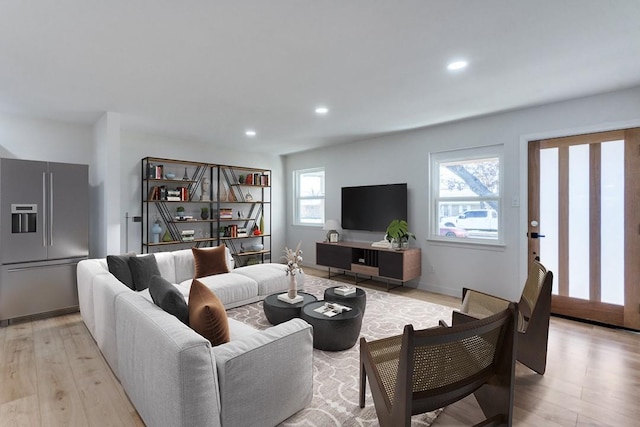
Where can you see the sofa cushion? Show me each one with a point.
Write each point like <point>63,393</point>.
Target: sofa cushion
<point>166,265</point>
<point>119,267</point>
<point>207,315</point>
<point>271,277</point>
<point>232,289</point>
<point>209,261</point>
<point>166,296</point>
<point>142,269</point>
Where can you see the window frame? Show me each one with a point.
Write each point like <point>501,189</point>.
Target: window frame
<point>465,154</point>
<point>297,198</point>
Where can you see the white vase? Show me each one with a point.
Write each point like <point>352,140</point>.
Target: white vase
<point>293,290</point>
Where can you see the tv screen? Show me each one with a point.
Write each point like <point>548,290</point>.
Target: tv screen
<point>373,207</point>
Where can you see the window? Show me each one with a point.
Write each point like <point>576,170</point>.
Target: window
<point>466,195</point>
<point>309,196</point>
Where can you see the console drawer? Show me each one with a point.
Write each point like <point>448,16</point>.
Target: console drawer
<point>365,269</point>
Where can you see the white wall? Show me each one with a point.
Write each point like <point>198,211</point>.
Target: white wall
<point>403,157</point>
<point>105,187</point>
<point>31,138</point>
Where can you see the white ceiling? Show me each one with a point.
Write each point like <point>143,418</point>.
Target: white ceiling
<point>210,69</point>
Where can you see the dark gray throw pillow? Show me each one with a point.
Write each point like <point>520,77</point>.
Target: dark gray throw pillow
<point>119,267</point>
<point>142,268</point>
<point>168,298</point>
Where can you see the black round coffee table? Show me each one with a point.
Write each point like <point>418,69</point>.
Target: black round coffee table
<point>358,298</point>
<point>278,311</point>
<point>339,332</point>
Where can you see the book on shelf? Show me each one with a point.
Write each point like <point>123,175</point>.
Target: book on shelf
<point>188,235</point>
<point>226,213</point>
<point>154,193</point>
<point>159,169</point>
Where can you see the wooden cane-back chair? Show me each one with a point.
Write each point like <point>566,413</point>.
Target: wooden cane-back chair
<point>534,311</point>
<point>421,371</point>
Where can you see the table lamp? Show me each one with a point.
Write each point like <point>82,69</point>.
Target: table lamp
<point>332,226</point>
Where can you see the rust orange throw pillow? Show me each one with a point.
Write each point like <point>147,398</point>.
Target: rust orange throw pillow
<point>210,261</point>
<point>207,315</point>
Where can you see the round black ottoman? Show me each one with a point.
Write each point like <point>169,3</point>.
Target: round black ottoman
<point>358,298</point>
<point>278,311</point>
<point>339,332</point>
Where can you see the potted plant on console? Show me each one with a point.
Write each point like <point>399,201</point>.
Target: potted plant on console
<point>398,234</point>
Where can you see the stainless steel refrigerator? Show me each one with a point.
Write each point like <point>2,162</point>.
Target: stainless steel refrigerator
<point>44,233</point>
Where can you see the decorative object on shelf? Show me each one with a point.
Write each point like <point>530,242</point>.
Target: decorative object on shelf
<point>241,179</point>
<point>261,224</point>
<point>332,225</point>
<point>151,171</point>
<point>180,212</point>
<point>231,195</point>
<point>248,197</point>
<point>293,258</point>
<point>186,175</point>
<point>204,213</point>
<point>256,231</point>
<point>166,237</point>
<point>398,234</point>
<point>169,175</point>
<point>156,230</point>
<point>205,187</point>
<point>222,195</point>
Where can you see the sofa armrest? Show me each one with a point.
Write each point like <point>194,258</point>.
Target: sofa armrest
<point>272,369</point>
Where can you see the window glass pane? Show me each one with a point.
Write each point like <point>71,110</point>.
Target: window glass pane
<point>612,222</point>
<point>465,178</point>
<point>579,221</point>
<point>469,218</point>
<point>311,211</point>
<point>312,184</point>
<point>549,210</point>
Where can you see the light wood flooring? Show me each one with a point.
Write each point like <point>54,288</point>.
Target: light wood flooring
<point>52,374</point>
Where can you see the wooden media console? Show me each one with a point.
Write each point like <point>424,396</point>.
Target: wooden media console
<point>362,258</point>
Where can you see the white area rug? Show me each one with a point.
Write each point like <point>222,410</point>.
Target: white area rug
<point>337,374</point>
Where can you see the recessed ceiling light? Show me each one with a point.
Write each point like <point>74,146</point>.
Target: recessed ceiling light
<point>250,132</point>
<point>457,65</point>
<point>322,110</point>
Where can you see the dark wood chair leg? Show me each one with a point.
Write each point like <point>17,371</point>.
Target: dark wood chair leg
<point>363,377</point>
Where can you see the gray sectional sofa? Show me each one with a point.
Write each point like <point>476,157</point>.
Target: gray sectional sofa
<point>172,375</point>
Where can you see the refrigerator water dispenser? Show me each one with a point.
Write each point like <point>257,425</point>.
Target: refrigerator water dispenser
<point>24,218</point>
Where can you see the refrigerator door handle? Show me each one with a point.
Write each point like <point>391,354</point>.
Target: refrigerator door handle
<point>44,210</point>
<point>51,208</point>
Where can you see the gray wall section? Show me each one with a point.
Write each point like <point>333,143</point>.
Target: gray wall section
<point>404,157</point>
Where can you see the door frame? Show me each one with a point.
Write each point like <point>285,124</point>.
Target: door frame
<point>525,139</point>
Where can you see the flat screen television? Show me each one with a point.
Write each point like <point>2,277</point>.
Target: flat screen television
<point>373,207</point>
